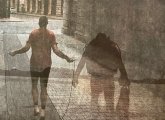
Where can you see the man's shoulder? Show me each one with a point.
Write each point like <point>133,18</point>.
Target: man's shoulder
<point>116,47</point>
<point>35,31</point>
<point>50,32</point>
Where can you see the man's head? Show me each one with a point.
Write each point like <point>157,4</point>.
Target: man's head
<point>99,39</point>
<point>43,21</point>
<point>101,36</point>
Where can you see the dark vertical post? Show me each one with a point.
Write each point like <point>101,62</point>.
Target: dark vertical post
<point>4,8</point>
<point>45,7</point>
<point>66,16</point>
<point>54,4</point>
<point>8,8</point>
<point>62,2</point>
<point>18,2</point>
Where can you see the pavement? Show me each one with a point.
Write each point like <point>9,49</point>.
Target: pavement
<point>141,101</point>
<point>15,17</point>
<point>38,15</point>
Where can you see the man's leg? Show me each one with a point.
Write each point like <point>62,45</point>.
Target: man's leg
<point>43,96</point>
<point>34,78</point>
<point>95,92</point>
<point>43,84</point>
<point>109,88</point>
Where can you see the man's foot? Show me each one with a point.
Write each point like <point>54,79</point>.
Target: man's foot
<point>42,118</point>
<point>42,114</point>
<point>36,110</point>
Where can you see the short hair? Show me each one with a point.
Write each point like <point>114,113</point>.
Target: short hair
<point>43,21</point>
<point>101,36</point>
<point>99,39</point>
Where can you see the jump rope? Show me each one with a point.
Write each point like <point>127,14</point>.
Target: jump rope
<point>71,87</point>
<point>70,94</point>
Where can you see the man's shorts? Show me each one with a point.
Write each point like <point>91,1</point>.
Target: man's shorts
<point>43,75</point>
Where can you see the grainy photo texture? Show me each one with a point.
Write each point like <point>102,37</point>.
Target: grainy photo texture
<point>82,60</point>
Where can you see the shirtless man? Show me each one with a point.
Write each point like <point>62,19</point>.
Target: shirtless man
<point>41,41</point>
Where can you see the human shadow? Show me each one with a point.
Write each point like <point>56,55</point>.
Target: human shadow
<point>55,73</point>
<point>103,59</point>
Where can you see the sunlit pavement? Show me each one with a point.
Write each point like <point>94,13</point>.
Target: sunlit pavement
<point>146,101</point>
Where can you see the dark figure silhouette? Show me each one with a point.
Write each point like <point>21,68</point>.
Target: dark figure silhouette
<point>102,58</point>
<point>42,41</point>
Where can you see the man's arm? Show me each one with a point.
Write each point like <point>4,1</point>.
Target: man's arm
<point>122,70</point>
<point>123,74</point>
<point>78,70</point>
<point>21,50</point>
<point>80,67</point>
<point>61,54</point>
<point>123,81</point>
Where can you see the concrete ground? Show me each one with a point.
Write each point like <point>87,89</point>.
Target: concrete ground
<point>139,102</point>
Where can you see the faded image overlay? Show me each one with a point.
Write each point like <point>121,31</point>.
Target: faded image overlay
<point>82,60</point>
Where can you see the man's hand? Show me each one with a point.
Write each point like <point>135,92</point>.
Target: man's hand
<point>70,60</point>
<point>124,82</point>
<point>12,53</point>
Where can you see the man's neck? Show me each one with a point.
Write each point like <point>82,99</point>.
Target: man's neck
<point>43,28</point>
